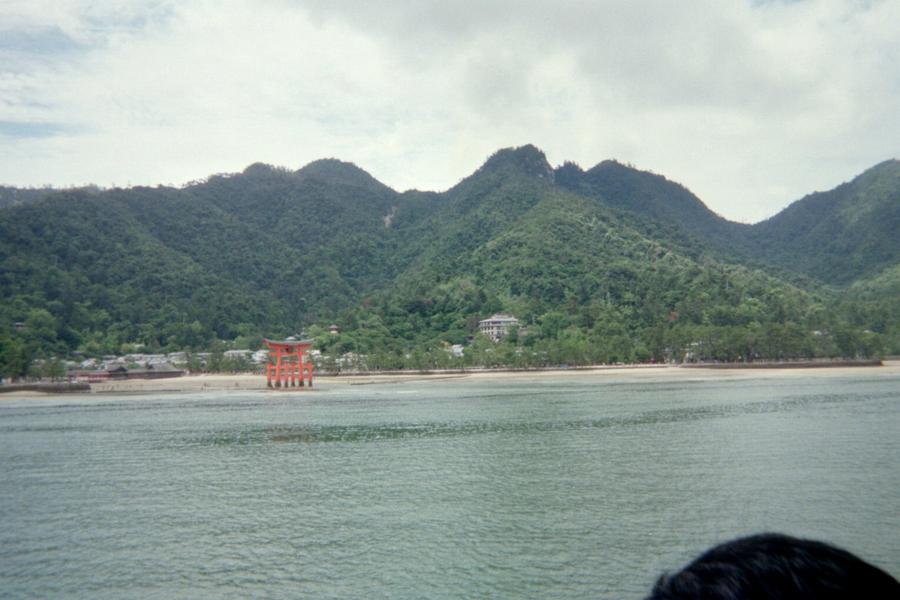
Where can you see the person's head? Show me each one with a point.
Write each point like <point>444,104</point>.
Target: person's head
<point>776,567</point>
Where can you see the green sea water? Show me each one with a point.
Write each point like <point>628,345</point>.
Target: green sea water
<point>575,487</point>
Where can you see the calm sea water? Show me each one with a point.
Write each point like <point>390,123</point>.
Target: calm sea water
<point>562,488</point>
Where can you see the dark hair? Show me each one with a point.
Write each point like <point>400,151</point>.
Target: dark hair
<point>776,567</point>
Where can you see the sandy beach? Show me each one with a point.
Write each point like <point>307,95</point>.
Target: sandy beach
<point>247,382</point>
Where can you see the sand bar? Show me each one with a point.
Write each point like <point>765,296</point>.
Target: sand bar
<point>248,382</point>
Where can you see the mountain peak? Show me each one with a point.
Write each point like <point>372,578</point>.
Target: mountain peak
<point>527,159</point>
<point>889,168</point>
<point>612,165</point>
<point>259,169</point>
<point>569,175</point>
<point>332,170</point>
<point>889,164</point>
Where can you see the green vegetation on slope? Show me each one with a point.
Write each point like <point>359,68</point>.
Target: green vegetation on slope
<point>848,233</point>
<point>606,265</point>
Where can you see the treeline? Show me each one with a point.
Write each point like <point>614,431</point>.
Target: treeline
<point>556,338</point>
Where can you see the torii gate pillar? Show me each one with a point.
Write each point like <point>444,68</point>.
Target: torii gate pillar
<point>289,363</point>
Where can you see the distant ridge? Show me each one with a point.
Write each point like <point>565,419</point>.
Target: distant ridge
<point>837,236</point>
<point>527,160</point>
<point>649,195</point>
<point>841,235</point>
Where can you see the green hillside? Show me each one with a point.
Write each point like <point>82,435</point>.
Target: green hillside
<point>834,237</point>
<point>590,287</point>
<point>10,196</point>
<point>675,213</point>
<point>605,265</point>
<point>839,236</point>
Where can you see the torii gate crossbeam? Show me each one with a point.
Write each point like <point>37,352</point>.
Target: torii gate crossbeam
<point>289,363</point>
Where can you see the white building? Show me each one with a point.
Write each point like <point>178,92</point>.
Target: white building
<point>497,326</point>
<point>179,358</point>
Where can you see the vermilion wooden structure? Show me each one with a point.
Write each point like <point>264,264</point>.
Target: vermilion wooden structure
<point>289,363</point>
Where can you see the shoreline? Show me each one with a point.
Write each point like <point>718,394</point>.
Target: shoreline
<point>254,382</point>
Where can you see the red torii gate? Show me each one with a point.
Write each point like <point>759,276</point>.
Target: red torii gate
<point>292,363</point>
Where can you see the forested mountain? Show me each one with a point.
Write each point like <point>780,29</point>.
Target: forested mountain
<point>839,236</point>
<point>836,237</point>
<point>608,264</point>
<point>653,198</point>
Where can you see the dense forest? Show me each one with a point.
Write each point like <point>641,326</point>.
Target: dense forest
<point>611,264</point>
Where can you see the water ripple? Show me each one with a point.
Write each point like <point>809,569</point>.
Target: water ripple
<point>458,490</point>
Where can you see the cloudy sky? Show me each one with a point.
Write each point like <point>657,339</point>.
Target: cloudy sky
<point>750,104</point>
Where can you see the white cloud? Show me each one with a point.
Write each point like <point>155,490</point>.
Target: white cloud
<point>750,105</point>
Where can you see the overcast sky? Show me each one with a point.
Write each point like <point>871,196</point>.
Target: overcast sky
<point>750,104</point>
